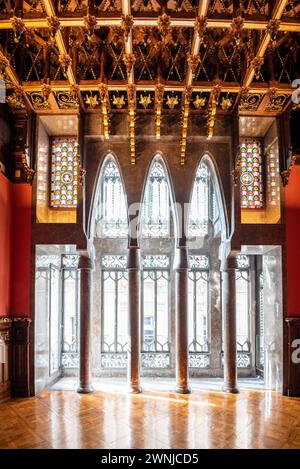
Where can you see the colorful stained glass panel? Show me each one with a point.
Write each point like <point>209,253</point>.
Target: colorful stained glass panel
<point>64,172</point>
<point>251,184</point>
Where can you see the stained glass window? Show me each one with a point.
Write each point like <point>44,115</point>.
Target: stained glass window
<point>111,219</point>
<point>156,207</point>
<point>64,172</point>
<point>251,185</point>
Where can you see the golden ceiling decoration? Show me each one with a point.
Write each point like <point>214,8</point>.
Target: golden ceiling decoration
<point>145,100</point>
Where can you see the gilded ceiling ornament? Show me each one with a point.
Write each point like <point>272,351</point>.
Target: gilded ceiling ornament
<point>129,60</point>
<point>159,93</point>
<point>74,90</point>
<point>127,24</point>
<point>256,63</point>
<point>131,93</point>
<point>244,91</point>
<point>164,24</point>
<point>172,101</point>
<point>65,61</point>
<point>66,100</point>
<point>193,61</point>
<point>188,93</point>
<point>145,100</point>
<point>92,101</point>
<point>250,102</point>
<point>276,103</point>
<point>46,91</point>
<point>103,89</point>
<point>15,101</point>
<point>38,100</point>
<point>236,29</point>
<point>19,27</point>
<point>119,101</point>
<point>272,29</point>
<point>226,103</point>
<point>90,23</point>
<point>199,102</point>
<point>54,26</point>
<point>216,90</point>
<point>200,27</point>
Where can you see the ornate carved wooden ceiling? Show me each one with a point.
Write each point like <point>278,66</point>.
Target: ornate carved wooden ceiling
<point>189,56</point>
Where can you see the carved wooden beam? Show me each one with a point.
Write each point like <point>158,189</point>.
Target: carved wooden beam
<point>223,23</point>
<point>13,78</point>
<point>129,59</point>
<point>193,61</point>
<point>55,23</point>
<point>258,60</point>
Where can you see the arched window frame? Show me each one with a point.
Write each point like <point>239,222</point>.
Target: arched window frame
<point>111,218</point>
<point>156,218</point>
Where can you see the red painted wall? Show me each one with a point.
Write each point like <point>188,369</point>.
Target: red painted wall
<point>21,234</point>
<point>5,244</point>
<point>292,200</point>
<point>15,234</point>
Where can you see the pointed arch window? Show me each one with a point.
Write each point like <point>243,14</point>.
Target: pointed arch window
<point>111,217</point>
<point>156,206</point>
<point>203,206</point>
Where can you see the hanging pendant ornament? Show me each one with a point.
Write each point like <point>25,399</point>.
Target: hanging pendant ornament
<point>19,28</point>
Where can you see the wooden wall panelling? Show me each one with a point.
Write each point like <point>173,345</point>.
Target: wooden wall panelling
<point>5,358</point>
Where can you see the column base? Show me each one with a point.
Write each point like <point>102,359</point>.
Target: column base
<point>183,390</point>
<point>85,389</point>
<point>229,389</point>
<point>135,390</point>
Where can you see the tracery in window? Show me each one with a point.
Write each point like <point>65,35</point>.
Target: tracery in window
<point>64,172</point>
<point>203,207</point>
<point>198,312</point>
<point>251,184</point>
<point>156,204</point>
<point>111,216</point>
<point>155,304</point>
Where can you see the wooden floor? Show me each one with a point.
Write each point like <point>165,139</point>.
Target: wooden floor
<point>64,419</point>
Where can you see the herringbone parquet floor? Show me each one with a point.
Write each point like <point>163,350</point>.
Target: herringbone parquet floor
<point>204,419</point>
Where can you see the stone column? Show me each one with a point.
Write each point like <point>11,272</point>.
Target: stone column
<point>134,310</point>
<point>181,320</point>
<point>86,281</point>
<point>229,312</point>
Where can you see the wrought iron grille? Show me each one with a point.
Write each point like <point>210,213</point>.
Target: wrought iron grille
<point>198,317</point>
<point>114,335</point>
<point>156,320</point>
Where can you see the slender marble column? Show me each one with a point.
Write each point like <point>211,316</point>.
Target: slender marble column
<point>134,309</point>
<point>181,319</point>
<point>229,311</point>
<point>86,268</point>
